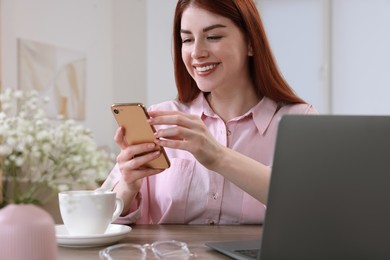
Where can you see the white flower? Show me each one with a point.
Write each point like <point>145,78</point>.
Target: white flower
<point>11,141</point>
<point>60,154</point>
<point>5,150</point>
<point>63,187</point>
<point>19,161</point>
<point>18,94</point>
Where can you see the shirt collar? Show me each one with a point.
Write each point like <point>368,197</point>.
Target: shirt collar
<point>201,107</point>
<point>262,113</point>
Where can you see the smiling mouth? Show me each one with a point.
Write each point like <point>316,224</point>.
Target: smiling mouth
<point>205,68</point>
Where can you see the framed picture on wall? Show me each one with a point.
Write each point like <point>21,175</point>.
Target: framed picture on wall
<point>54,72</point>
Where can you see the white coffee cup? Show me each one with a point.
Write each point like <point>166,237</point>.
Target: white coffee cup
<point>88,212</point>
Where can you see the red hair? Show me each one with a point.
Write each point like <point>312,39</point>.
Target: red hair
<point>267,79</point>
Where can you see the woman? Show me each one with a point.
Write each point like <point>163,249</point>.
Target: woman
<point>219,133</point>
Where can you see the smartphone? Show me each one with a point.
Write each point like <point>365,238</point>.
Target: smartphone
<point>133,116</point>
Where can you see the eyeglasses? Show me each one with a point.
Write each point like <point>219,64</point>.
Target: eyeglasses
<point>167,250</point>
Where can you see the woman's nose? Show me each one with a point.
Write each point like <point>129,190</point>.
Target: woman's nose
<point>199,50</point>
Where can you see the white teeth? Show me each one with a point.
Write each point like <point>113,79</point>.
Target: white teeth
<point>205,68</point>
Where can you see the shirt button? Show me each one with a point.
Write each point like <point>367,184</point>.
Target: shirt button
<point>215,195</point>
<point>228,133</point>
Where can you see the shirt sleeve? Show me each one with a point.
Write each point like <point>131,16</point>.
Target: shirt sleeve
<point>311,110</point>
<point>134,212</point>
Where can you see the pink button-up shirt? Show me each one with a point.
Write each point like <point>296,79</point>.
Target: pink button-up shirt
<point>188,192</point>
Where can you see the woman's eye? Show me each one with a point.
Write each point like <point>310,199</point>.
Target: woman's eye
<point>214,37</point>
<point>186,40</point>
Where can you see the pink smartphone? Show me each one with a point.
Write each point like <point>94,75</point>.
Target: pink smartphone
<point>133,116</point>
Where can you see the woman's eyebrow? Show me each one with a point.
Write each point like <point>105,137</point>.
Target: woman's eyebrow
<point>213,27</point>
<point>206,29</point>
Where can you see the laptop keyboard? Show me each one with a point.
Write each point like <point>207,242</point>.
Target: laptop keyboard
<point>249,252</point>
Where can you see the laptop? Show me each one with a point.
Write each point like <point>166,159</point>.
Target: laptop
<point>329,195</point>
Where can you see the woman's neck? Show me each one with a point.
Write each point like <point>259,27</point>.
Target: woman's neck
<point>232,104</point>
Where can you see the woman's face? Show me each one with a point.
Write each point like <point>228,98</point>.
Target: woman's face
<point>215,51</point>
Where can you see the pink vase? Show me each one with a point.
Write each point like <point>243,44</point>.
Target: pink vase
<point>27,232</point>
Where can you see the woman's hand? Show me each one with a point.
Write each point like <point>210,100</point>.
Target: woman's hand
<point>131,165</point>
<point>187,132</point>
<point>132,169</point>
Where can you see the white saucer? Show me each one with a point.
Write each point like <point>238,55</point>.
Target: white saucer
<point>113,234</point>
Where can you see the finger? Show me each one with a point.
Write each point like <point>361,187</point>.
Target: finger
<point>179,119</point>
<point>133,150</point>
<point>162,113</point>
<point>120,138</point>
<point>157,113</point>
<point>140,161</point>
<point>178,133</point>
<point>175,144</point>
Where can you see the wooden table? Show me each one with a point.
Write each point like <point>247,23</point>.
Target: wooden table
<point>194,235</point>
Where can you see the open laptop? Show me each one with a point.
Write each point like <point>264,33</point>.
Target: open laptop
<point>329,195</point>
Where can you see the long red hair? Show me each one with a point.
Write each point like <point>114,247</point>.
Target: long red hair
<point>267,79</point>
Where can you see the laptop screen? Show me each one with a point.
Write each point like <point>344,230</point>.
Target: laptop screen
<point>329,196</point>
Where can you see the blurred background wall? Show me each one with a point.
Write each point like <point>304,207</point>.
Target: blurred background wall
<point>335,54</point>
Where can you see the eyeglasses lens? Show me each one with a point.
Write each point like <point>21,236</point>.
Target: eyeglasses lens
<point>171,250</point>
<point>123,252</point>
